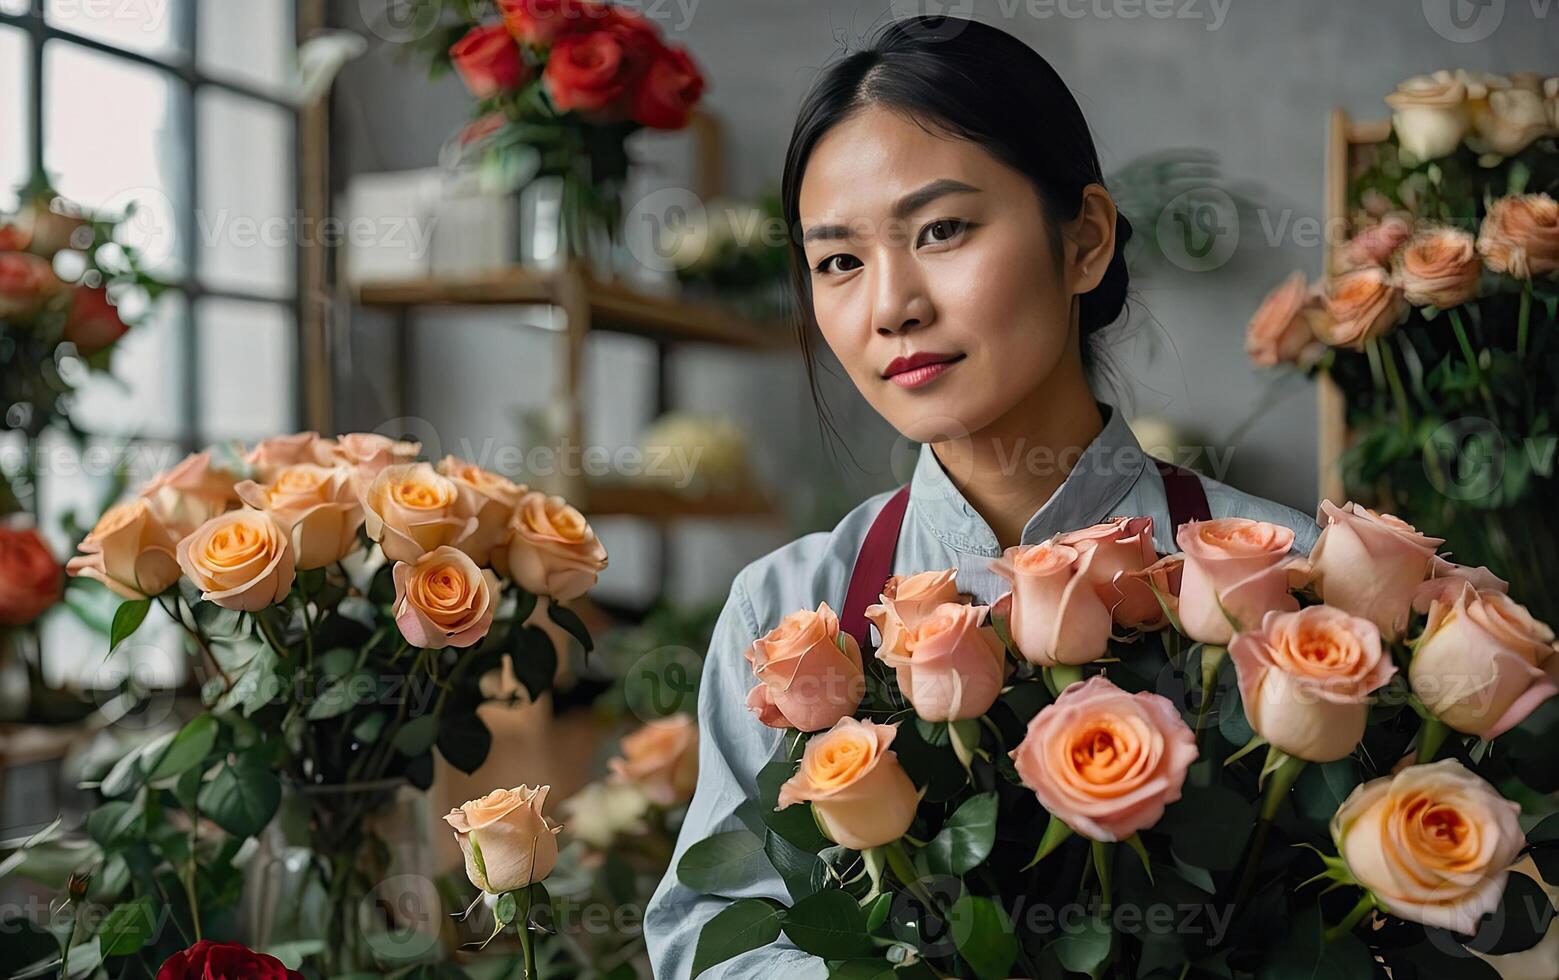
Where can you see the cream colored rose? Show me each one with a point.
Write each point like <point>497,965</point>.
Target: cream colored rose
<point>1057,617</point>
<point>410,510</point>
<point>1439,267</point>
<point>491,498</point>
<point>606,810</point>
<point>859,793</point>
<point>1306,678</point>
<point>1359,305</point>
<point>191,493</point>
<point>317,508</point>
<point>270,456</point>
<point>1280,331</point>
<point>1509,120</point>
<point>1479,666</point>
<point>442,599</point>
<point>661,758</point>
<point>507,842</point>
<point>1234,568</point>
<point>239,560</point>
<point>1433,843</point>
<point>130,551</point>
<point>906,600</point>
<point>1520,236</point>
<point>1369,564</point>
<point>552,548</point>
<point>1431,115</point>
<point>953,664</point>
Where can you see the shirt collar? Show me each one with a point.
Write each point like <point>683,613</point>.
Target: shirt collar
<point>1104,473</point>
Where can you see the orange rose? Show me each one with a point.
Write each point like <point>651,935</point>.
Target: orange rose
<point>1104,762</point>
<point>489,496</point>
<point>1234,567</point>
<point>552,548</point>
<point>1439,267</point>
<point>1125,547</point>
<point>860,794</point>
<point>191,493</point>
<point>661,758</point>
<point>952,665</point>
<point>1359,306</point>
<point>1280,332</point>
<point>315,505</point>
<point>270,456</point>
<point>1057,617</point>
<point>1520,236</point>
<point>30,578</point>
<point>1369,564</point>
<point>410,510</point>
<point>367,453</point>
<point>239,560</point>
<point>130,550</point>
<point>809,672</point>
<point>443,600</point>
<point>907,600</point>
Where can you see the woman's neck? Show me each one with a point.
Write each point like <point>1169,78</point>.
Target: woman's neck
<point>1009,469</point>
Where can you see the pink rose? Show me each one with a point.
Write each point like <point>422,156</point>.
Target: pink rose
<point>26,282</point>
<point>1104,762</point>
<point>270,456</point>
<point>491,498</point>
<point>1125,547</point>
<point>552,549</point>
<point>443,600</point>
<point>411,510</point>
<point>130,551</point>
<point>953,663</point>
<point>909,599</point>
<point>1234,567</point>
<point>861,796</point>
<point>809,672</point>
<point>1280,331</point>
<point>1057,617</point>
<point>661,758</point>
<point>1375,245</point>
<point>1446,579</point>
<point>1359,306</point>
<point>1369,564</point>
<point>368,453</point>
<point>191,493</point>
<point>1306,678</point>
<point>1163,577</point>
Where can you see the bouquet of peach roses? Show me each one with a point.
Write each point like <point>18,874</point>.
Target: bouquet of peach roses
<point>345,601</point>
<point>1226,762</point>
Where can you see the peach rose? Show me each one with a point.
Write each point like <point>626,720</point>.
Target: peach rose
<point>26,283</point>
<point>1446,579</point>
<point>1280,331</point>
<point>315,505</point>
<point>507,842</point>
<point>1479,664</point>
<point>30,578</point>
<point>906,600</point>
<point>489,496</point>
<point>552,548</point>
<point>1369,564</point>
<point>1057,616</point>
<point>1104,762</point>
<point>443,600</point>
<point>952,665</point>
<point>1432,843</point>
<point>1376,244</point>
<point>130,550</point>
<point>1431,115</point>
<point>809,672</point>
<point>661,758</point>
<point>1125,547</point>
<point>1306,678</point>
<point>239,560</point>
<point>859,793</point>
<point>1359,305</point>
<point>1237,564</point>
<point>1520,236</point>
<point>191,493</point>
<point>1439,267</point>
<point>270,456</point>
<point>368,453</point>
<point>410,510</point>
<point>1163,577</point>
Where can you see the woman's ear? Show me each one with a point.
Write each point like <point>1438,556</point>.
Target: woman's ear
<point>1090,239</point>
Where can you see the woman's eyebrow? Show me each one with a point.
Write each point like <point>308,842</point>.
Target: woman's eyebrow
<point>902,208</point>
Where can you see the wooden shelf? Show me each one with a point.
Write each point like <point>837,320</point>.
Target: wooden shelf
<point>664,503</point>
<point>611,306</point>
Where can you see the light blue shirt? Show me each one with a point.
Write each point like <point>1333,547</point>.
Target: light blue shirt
<point>1113,476</point>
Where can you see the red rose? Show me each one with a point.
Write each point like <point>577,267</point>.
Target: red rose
<point>541,22</point>
<point>669,90</point>
<point>489,61</point>
<point>207,960</point>
<point>30,578</point>
<point>25,282</point>
<point>13,238</point>
<point>94,323</point>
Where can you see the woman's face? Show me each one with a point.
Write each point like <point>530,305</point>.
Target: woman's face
<point>933,277</point>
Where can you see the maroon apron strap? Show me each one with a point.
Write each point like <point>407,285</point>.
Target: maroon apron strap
<point>873,565</point>
<point>1187,499</point>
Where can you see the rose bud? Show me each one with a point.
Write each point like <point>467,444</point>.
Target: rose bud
<point>1280,331</point>
<point>507,842</point>
<point>1359,306</point>
<point>272,455</point>
<point>1234,567</point>
<point>491,498</point>
<point>239,560</point>
<point>1057,617</point>
<point>1439,267</point>
<point>1431,115</point>
<point>860,794</point>
<point>951,666</point>
<point>488,61</point>
<point>809,672</point>
<point>191,493</point>
<point>1125,547</point>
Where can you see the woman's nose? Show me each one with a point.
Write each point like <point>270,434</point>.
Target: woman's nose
<point>900,302</point>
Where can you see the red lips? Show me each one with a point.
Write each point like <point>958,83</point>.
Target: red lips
<point>920,359</point>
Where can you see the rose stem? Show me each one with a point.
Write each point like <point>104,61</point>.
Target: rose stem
<point>1346,925</point>
<point>1398,394</point>
<point>1472,358</point>
<point>1430,739</point>
<point>1279,783</point>
<point>1523,318</point>
<point>899,862</point>
<point>527,941</point>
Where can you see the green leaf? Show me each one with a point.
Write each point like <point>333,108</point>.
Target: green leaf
<point>242,797</point>
<point>464,741</point>
<point>506,908</point>
<point>861,970</point>
<point>339,694</point>
<point>127,927</point>
<point>534,658</point>
<point>187,749</point>
<point>745,925</point>
<point>1208,827</point>
<point>803,871</point>
<point>416,736</point>
<point>794,823</point>
<point>1518,923</point>
<point>965,839</point>
<point>1322,788</point>
<point>127,619</point>
<point>1305,954</point>
<point>828,924</point>
<point>570,621</point>
<point>984,936</point>
<point>1084,946</point>
<point>723,863</point>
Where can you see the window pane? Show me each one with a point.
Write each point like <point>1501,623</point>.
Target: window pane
<point>112,135</point>
<point>145,394</point>
<point>14,6</point>
<point>247,366</point>
<point>148,26</point>
<point>249,42</point>
<point>13,114</point>
<point>245,221</point>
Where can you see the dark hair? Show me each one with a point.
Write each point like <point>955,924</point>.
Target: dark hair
<point>974,82</point>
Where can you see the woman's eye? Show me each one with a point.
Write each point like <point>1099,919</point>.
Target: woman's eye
<point>840,262</point>
<point>941,230</point>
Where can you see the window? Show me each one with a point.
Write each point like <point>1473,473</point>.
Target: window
<point>179,107</point>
